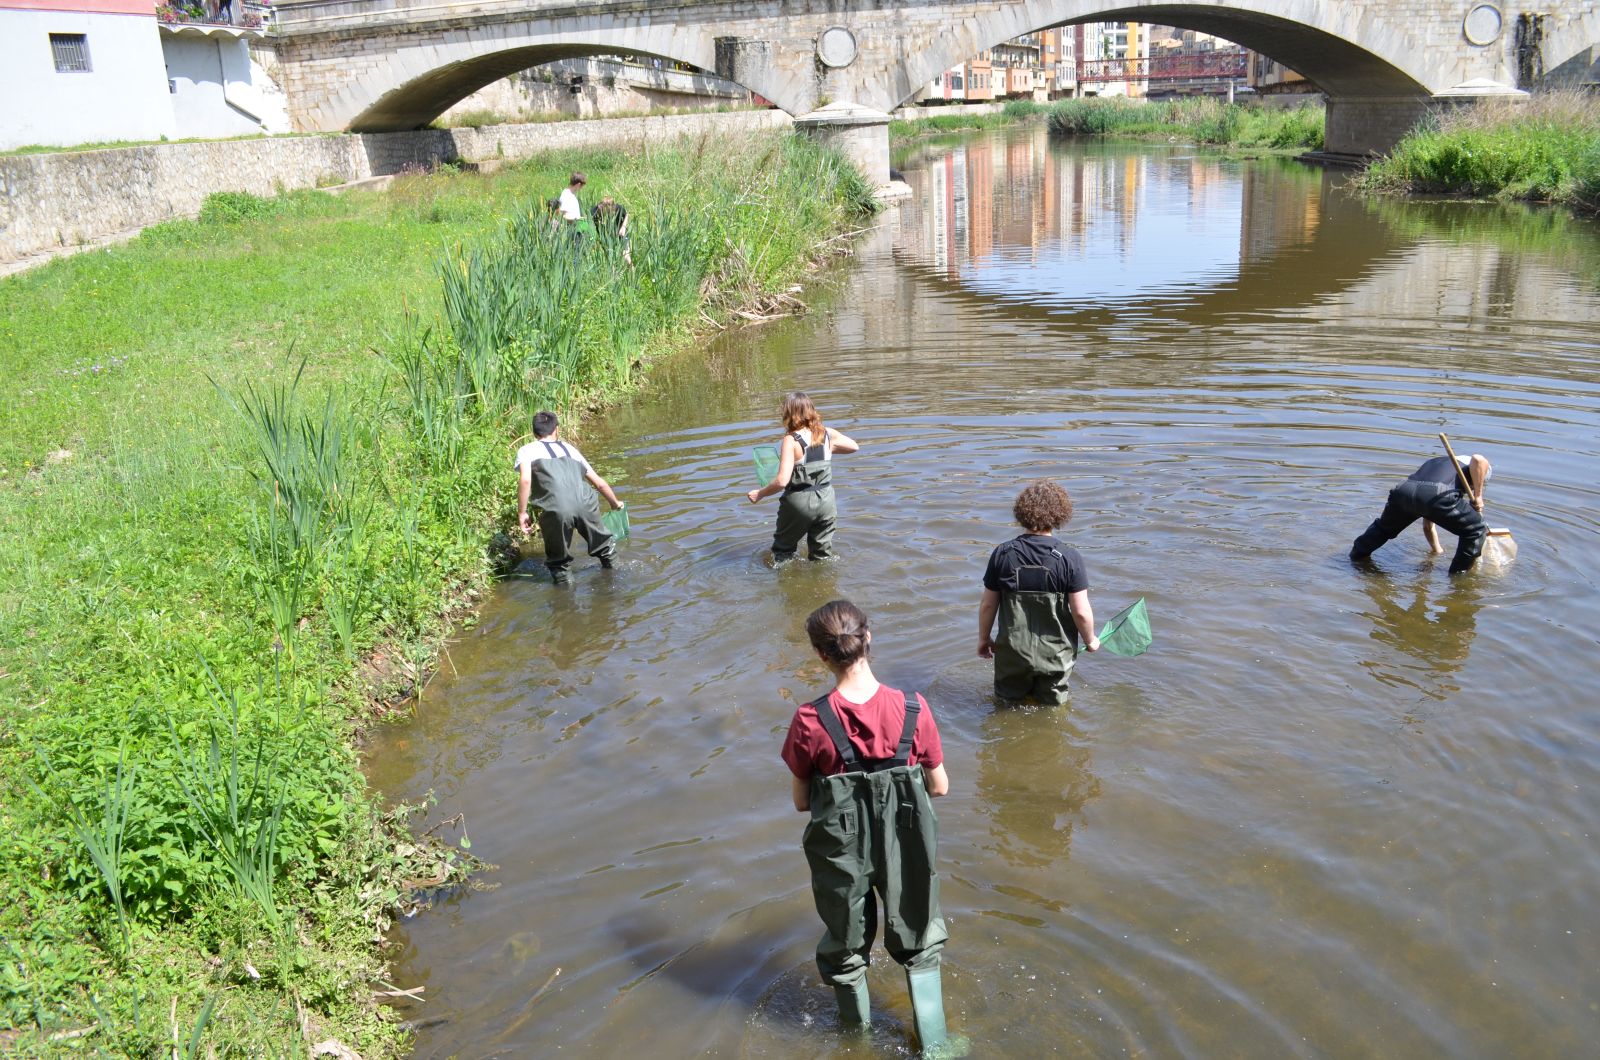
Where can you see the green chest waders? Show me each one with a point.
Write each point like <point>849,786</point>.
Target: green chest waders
<point>566,503</point>
<point>807,507</point>
<point>1034,652</point>
<point>873,836</point>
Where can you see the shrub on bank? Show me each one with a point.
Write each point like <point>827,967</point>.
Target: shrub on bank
<point>217,503</point>
<point>1547,149</point>
<point>1205,120</point>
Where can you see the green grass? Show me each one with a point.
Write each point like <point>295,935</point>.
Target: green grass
<point>240,455</point>
<point>1544,150</point>
<point>930,122</point>
<point>1206,121</point>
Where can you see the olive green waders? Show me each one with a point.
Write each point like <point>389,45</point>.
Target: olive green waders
<point>807,507</point>
<point>873,832</point>
<point>566,503</point>
<point>1034,652</point>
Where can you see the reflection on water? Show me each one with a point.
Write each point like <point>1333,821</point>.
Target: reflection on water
<point>1337,810</point>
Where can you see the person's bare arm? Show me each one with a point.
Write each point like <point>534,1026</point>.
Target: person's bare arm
<point>988,607</point>
<point>788,452</point>
<point>800,791</point>
<point>1432,534</point>
<point>938,782</point>
<point>1083,618</point>
<point>603,486</point>
<point>524,488</point>
<point>1477,476</point>
<point>842,443</point>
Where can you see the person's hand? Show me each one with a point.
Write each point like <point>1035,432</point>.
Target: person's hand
<point>1477,505</point>
<point>524,522</point>
<point>1092,644</point>
<point>754,495</point>
<point>985,648</point>
<point>617,506</point>
<point>1436,549</point>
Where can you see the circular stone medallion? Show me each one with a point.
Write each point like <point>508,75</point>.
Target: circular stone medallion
<point>836,46</point>
<point>1482,25</point>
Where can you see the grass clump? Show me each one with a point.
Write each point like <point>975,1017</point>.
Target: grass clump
<point>1545,150</point>
<point>232,500</point>
<point>1203,120</point>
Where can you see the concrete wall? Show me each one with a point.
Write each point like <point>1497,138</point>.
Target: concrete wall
<point>123,97</point>
<point>207,73</point>
<point>61,200</point>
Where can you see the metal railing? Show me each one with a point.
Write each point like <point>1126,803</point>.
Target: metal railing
<point>1221,65</point>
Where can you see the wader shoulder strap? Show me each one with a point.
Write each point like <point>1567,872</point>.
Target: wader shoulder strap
<point>835,729</point>
<point>852,759</point>
<point>902,754</point>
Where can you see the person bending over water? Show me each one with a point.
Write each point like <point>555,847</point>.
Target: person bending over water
<point>865,760</point>
<point>1433,494</point>
<point>1040,589</point>
<point>552,475</point>
<point>805,478</point>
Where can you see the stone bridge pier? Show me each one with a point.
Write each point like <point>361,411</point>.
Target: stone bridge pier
<point>841,66</point>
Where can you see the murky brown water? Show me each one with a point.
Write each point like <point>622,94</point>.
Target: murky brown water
<point>1334,812</point>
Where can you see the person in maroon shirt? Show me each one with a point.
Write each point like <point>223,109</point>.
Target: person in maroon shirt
<point>865,759</point>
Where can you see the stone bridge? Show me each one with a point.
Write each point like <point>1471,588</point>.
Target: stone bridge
<point>841,65</point>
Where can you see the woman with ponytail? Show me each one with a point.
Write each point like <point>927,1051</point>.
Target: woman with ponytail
<point>866,759</point>
<point>805,478</point>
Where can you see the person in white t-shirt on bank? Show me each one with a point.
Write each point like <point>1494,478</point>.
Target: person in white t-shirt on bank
<point>568,206</point>
<point>556,478</point>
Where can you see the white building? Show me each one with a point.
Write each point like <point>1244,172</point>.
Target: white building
<point>81,71</point>
<point>97,71</point>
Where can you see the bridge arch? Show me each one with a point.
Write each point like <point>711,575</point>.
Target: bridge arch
<point>413,104</point>
<point>1344,49</point>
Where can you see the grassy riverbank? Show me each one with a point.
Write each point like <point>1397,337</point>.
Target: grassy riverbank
<point>930,122</point>
<point>1544,150</point>
<point>246,465</point>
<point>1206,121</point>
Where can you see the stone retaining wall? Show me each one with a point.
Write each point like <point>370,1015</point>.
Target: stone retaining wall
<point>54,201</point>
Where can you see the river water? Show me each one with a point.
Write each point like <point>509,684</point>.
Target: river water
<point>1335,811</point>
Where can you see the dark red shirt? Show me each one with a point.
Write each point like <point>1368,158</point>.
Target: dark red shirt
<point>873,727</point>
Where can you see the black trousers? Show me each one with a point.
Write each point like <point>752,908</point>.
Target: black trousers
<point>1445,507</point>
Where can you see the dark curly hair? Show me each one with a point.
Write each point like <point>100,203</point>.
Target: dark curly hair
<point>1042,507</point>
<point>838,629</point>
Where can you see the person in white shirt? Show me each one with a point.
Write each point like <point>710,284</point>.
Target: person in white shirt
<point>551,474</point>
<point>571,211</point>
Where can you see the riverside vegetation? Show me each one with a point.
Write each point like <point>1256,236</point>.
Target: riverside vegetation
<point>1545,150</point>
<point>1206,121</point>
<point>248,465</point>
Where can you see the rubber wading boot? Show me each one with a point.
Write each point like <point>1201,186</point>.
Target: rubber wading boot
<point>854,1009</point>
<point>927,1006</point>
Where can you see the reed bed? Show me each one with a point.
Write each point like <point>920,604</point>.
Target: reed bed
<point>220,543</point>
<point>1206,121</point>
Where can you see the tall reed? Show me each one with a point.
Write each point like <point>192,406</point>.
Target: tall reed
<point>236,799</point>
<point>102,839</point>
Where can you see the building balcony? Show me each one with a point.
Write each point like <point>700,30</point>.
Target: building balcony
<point>243,17</point>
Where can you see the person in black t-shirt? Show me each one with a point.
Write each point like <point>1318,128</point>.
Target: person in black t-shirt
<point>1039,589</point>
<point>1433,494</point>
<point>611,223</point>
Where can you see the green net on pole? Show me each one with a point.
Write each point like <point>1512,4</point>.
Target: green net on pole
<point>766,463</point>
<point>1128,632</point>
<point>616,523</point>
